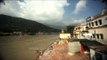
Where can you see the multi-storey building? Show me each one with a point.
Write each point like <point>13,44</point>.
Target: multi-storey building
<point>80,30</point>
<point>94,29</point>
<point>97,27</point>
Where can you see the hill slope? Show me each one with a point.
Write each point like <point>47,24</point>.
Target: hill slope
<point>11,24</point>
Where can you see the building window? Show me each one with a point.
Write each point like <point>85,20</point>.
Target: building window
<point>96,23</point>
<point>75,28</point>
<point>92,23</point>
<point>100,22</point>
<point>79,28</point>
<point>101,35</point>
<point>93,35</point>
<point>89,25</point>
<point>97,36</point>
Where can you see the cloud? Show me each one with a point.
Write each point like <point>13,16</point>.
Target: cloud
<point>80,6</point>
<point>43,11</point>
<point>73,21</point>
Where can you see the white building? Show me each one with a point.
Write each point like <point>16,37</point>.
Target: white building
<point>80,30</point>
<point>97,27</point>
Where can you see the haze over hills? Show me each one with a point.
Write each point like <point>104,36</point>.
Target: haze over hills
<point>11,24</point>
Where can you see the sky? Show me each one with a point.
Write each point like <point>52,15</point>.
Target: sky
<point>53,12</point>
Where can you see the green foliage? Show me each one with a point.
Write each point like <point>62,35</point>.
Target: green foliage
<point>13,24</point>
<point>70,29</point>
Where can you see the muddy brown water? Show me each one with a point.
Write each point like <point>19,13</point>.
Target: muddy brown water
<point>24,47</point>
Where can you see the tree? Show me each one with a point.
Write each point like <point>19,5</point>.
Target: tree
<point>70,29</point>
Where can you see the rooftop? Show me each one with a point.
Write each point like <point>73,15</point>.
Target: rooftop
<point>98,47</point>
<point>88,42</point>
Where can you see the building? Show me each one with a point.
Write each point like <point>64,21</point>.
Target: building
<point>94,28</point>
<point>80,30</point>
<point>94,31</point>
<point>97,27</point>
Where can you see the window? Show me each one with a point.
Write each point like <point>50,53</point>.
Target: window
<point>101,35</point>
<point>89,25</point>
<point>93,35</point>
<point>96,23</point>
<point>97,36</point>
<point>100,22</point>
<point>92,24</point>
<point>75,28</point>
<point>79,28</point>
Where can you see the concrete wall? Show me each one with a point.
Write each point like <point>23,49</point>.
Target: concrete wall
<point>102,31</point>
<point>104,22</point>
<point>92,54</point>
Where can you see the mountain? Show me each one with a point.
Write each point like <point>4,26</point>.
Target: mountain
<point>56,26</point>
<point>13,24</point>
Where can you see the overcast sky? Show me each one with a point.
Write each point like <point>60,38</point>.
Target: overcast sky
<point>53,12</point>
